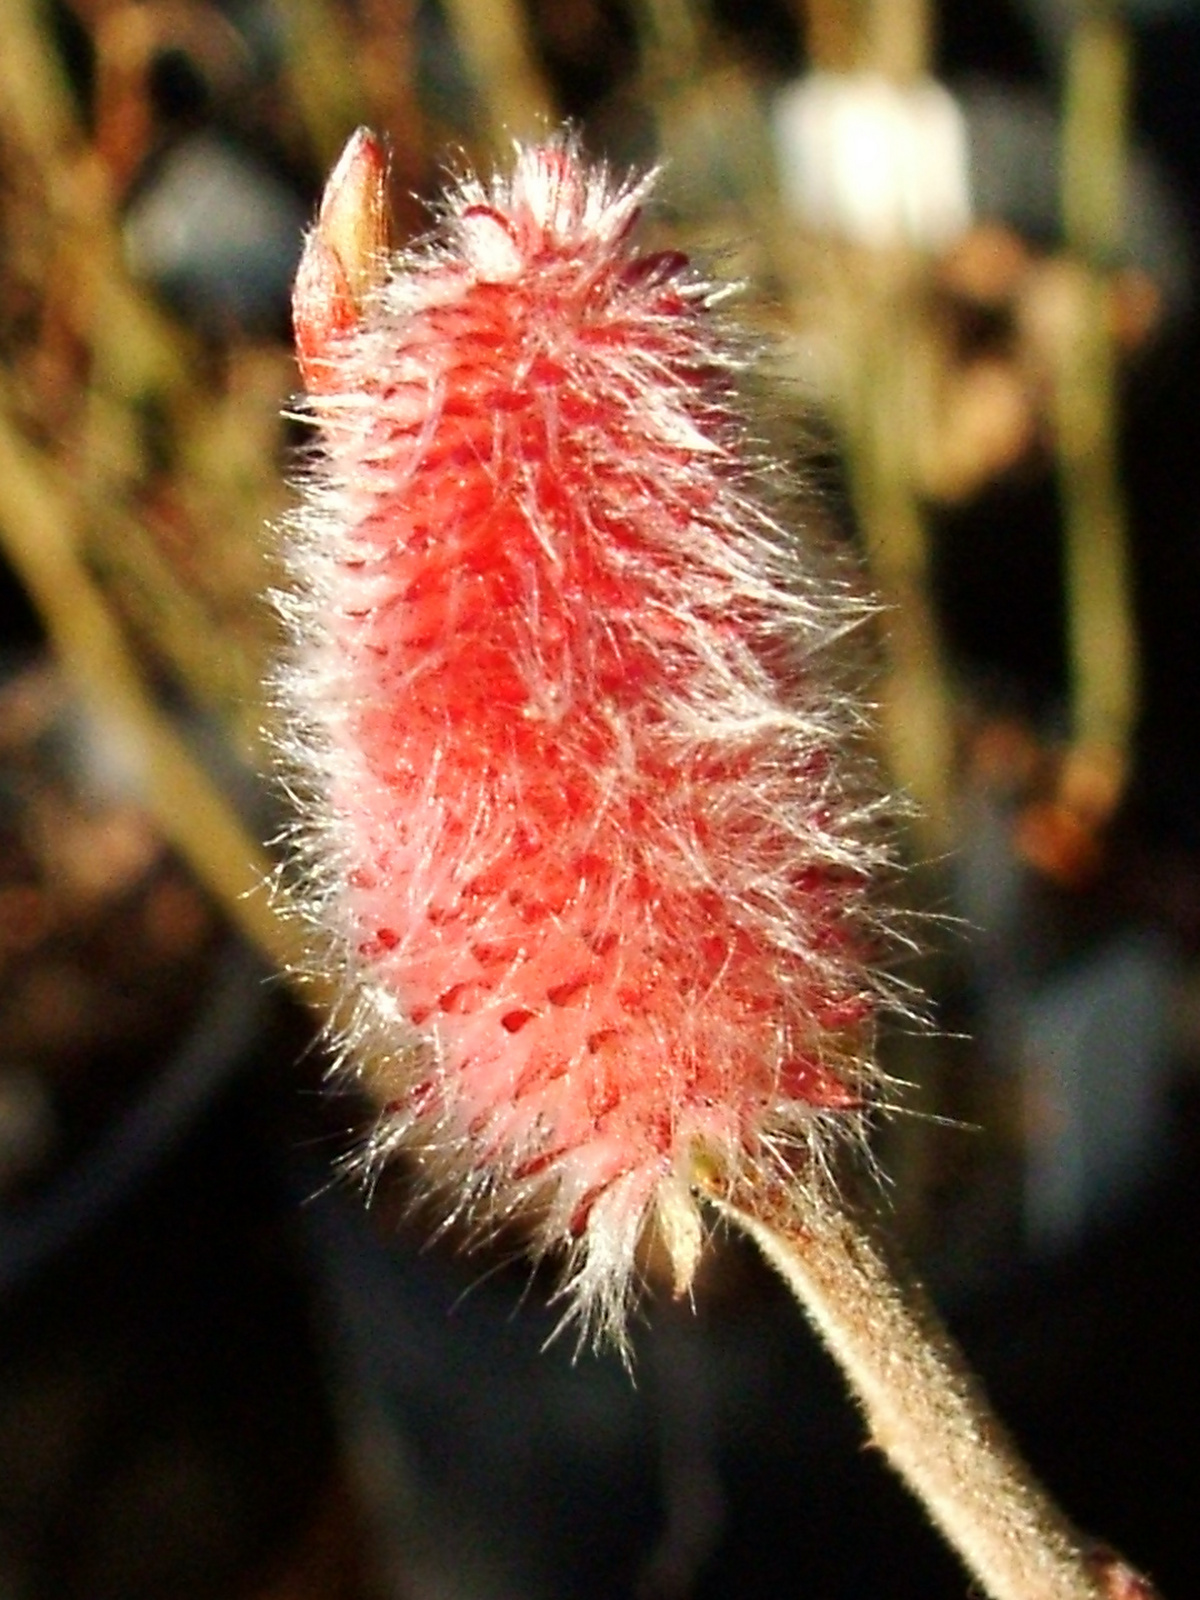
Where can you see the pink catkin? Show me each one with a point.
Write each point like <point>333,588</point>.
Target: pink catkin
<point>574,820</point>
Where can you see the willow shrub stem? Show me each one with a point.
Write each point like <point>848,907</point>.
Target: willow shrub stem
<point>923,1408</point>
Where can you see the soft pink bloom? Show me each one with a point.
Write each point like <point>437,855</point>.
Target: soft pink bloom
<point>575,820</point>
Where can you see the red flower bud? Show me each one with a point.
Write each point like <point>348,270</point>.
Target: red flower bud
<point>575,819</point>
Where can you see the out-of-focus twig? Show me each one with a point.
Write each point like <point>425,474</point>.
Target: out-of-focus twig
<point>878,419</point>
<point>1102,638</point>
<point>876,297</point>
<point>322,77</point>
<point>495,40</point>
<point>899,38</point>
<point>831,32</point>
<point>670,45</point>
<point>36,98</point>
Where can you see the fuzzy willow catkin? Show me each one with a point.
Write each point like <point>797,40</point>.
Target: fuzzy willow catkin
<point>578,816</point>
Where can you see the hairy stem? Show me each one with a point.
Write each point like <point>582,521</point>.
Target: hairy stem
<point>924,1409</point>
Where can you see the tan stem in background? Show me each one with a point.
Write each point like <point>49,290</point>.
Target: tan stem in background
<point>899,38</point>
<point>494,38</point>
<point>915,709</point>
<point>893,37</point>
<point>878,306</point>
<point>670,43</point>
<point>831,33</point>
<point>923,1408</point>
<point>1102,638</point>
<point>324,78</point>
